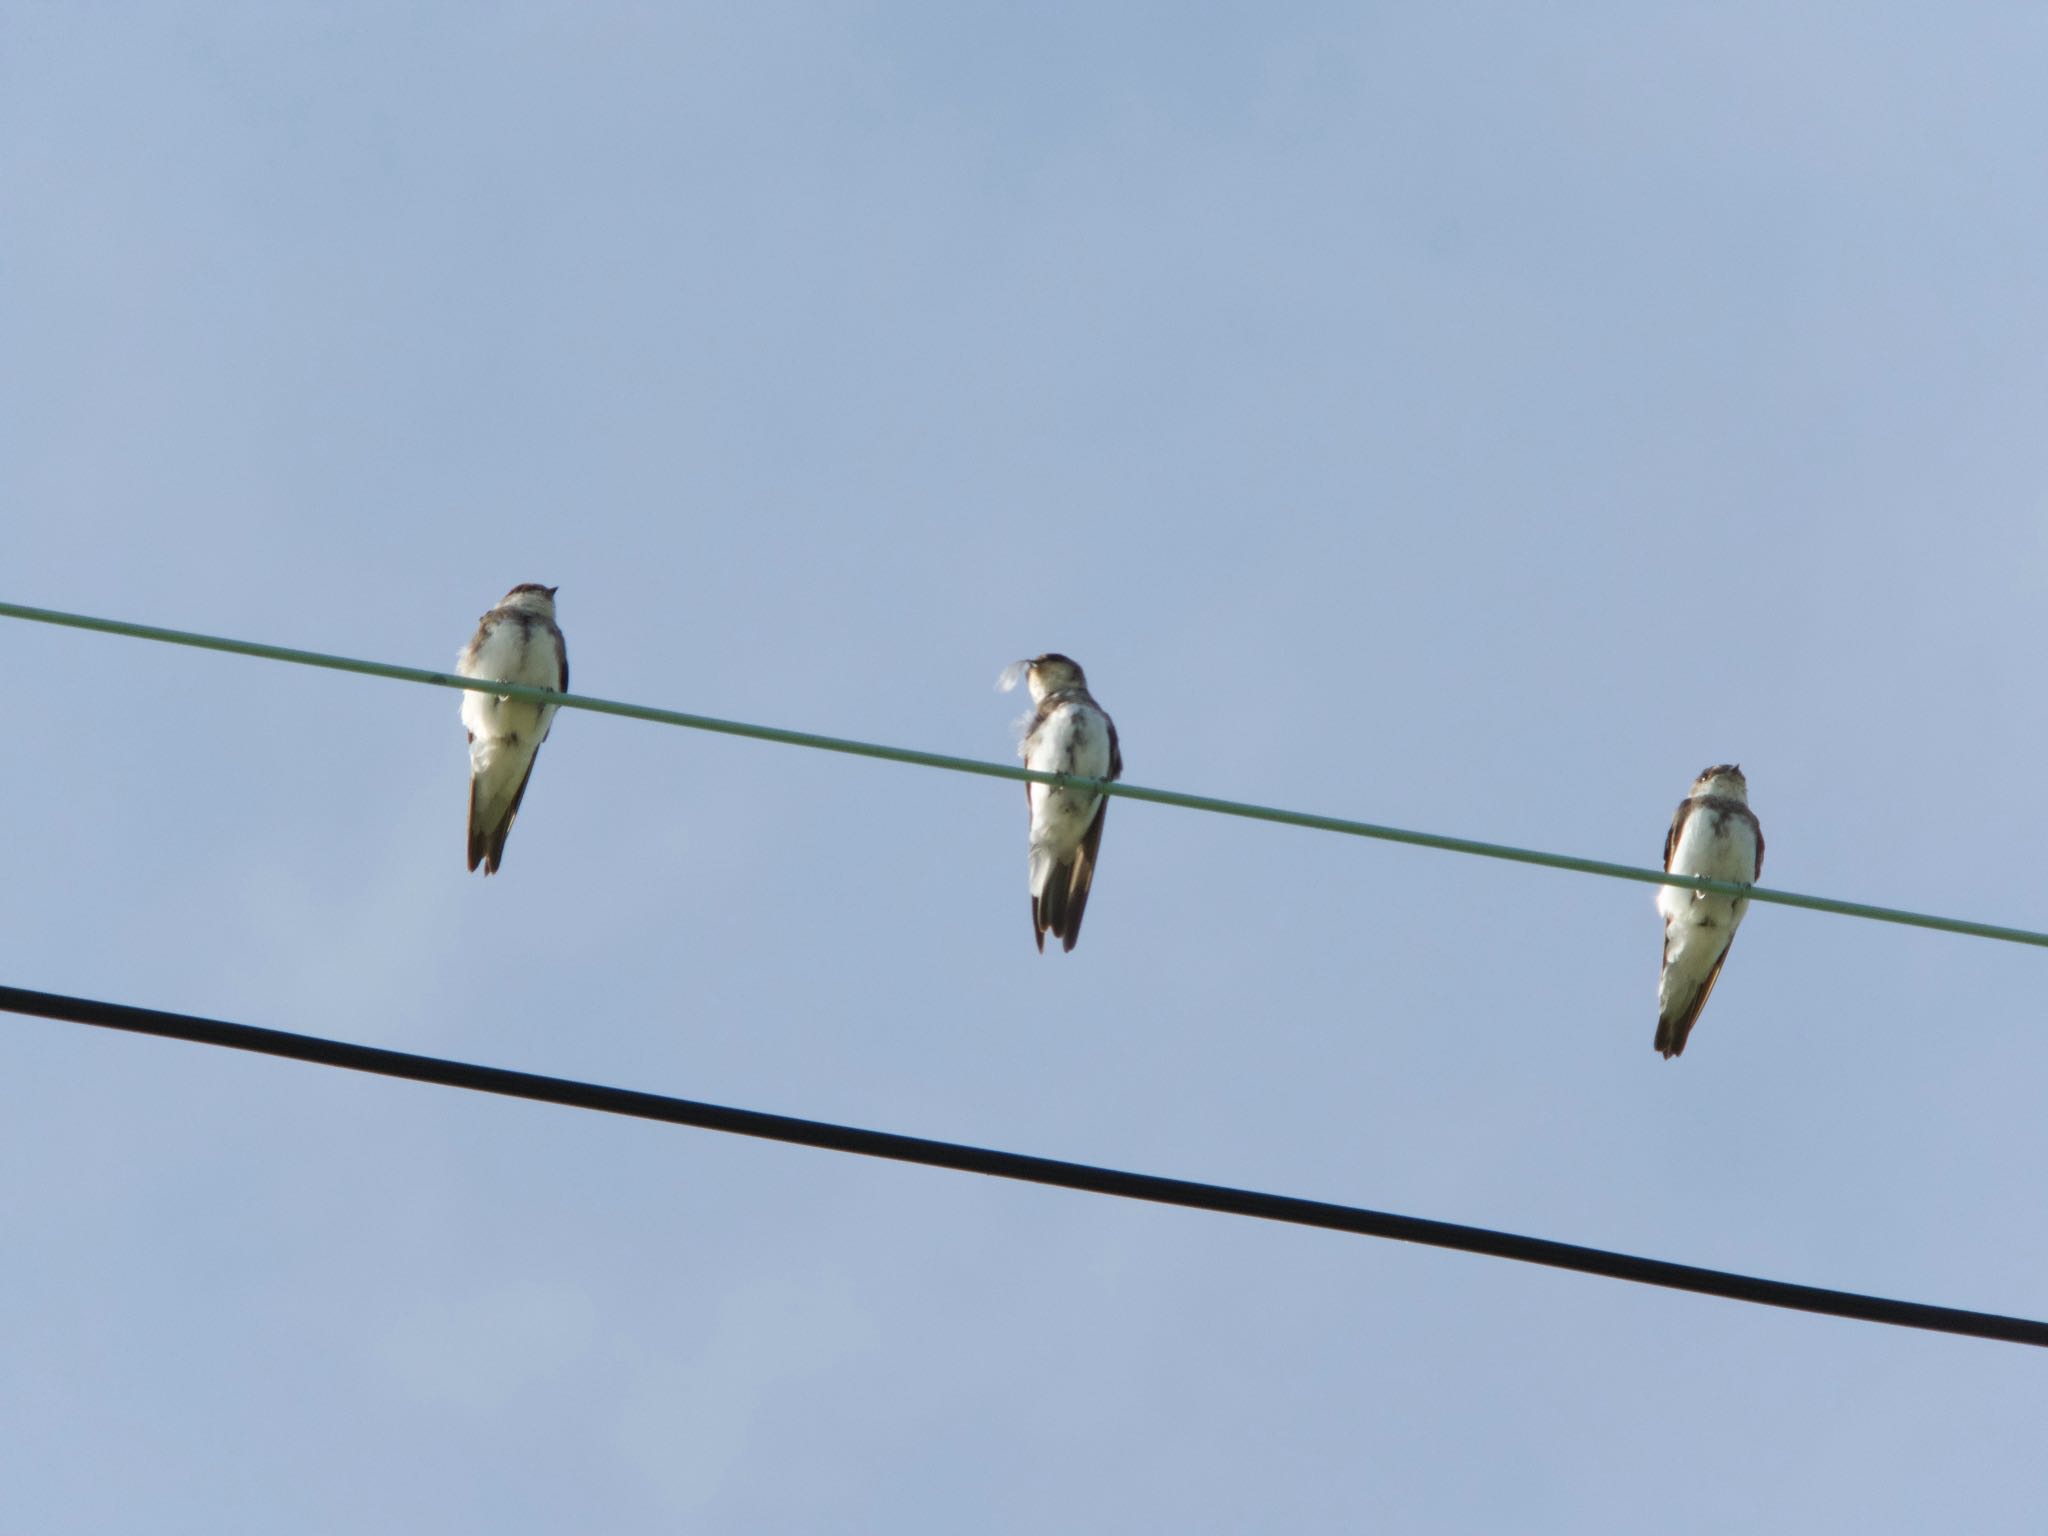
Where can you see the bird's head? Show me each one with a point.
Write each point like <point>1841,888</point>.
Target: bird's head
<point>1052,672</point>
<point>532,597</point>
<point>1046,674</point>
<point>1724,781</point>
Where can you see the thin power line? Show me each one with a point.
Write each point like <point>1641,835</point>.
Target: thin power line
<point>1338,824</point>
<point>1025,1169</point>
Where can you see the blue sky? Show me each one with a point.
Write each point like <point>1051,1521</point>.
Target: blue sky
<point>1460,417</point>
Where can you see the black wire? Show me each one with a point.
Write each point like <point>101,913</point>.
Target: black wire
<point>1030,1170</point>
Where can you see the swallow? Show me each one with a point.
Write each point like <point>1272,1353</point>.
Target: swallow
<point>1715,835</point>
<point>1067,733</point>
<point>516,642</point>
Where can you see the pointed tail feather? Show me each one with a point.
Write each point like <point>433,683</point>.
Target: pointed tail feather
<point>1078,878</point>
<point>1084,874</point>
<point>476,831</point>
<point>494,853</point>
<point>1051,905</point>
<point>490,825</point>
<point>1060,886</point>
<point>1678,1015</point>
<point>1671,1035</point>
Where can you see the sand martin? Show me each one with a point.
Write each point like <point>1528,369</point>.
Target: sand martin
<point>1714,835</point>
<point>516,642</point>
<point>1068,733</point>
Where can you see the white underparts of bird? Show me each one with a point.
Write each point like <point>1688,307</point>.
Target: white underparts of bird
<point>1715,836</point>
<point>1067,733</point>
<point>516,642</point>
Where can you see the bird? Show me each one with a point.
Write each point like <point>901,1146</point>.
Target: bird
<point>1068,733</point>
<point>1714,835</point>
<point>516,642</point>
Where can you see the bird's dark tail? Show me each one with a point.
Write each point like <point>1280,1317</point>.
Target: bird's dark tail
<point>490,825</point>
<point>1675,1023</point>
<point>1049,907</point>
<point>476,831</point>
<point>1671,1035</point>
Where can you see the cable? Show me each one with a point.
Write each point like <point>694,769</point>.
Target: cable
<point>1025,1169</point>
<point>1338,824</point>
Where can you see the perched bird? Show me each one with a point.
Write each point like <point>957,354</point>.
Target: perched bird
<point>1715,836</point>
<point>1069,734</point>
<point>516,642</point>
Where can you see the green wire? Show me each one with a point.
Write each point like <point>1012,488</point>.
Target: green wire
<point>819,743</point>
